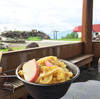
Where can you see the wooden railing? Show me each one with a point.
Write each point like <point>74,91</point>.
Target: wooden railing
<point>96,52</point>
<point>11,60</point>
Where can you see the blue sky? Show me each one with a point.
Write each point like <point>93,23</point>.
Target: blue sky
<point>43,15</point>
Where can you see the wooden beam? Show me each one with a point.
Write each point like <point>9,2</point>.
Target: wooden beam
<point>87,25</point>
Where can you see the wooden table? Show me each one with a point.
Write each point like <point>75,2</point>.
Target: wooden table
<point>19,91</point>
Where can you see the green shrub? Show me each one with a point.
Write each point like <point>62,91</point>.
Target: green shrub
<point>70,36</point>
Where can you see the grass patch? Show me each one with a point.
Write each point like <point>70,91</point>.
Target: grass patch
<point>73,39</point>
<point>34,38</point>
<point>19,48</point>
<point>5,50</point>
<point>14,49</point>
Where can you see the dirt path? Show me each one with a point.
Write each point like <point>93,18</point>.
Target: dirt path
<point>42,43</point>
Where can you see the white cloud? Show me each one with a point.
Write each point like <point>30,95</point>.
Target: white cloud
<point>44,15</point>
<point>96,10</point>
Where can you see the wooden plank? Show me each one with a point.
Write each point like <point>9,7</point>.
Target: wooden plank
<point>5,97</point>
<point>19,92</point>
<point>96,49</point>
<point>84,62</point>
<point>76,50</point>
<point>96,52</point>
<point>71,50</point>
<point>80,58</point>
<point>87,25</point>
<point>4,94</point>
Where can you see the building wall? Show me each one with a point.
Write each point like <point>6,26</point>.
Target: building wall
<point>94,34</point>
<point>79,34</point>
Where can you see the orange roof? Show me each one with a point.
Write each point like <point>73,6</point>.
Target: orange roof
<point>96,28</point>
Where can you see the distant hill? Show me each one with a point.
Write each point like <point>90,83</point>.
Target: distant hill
<point>60,34</point>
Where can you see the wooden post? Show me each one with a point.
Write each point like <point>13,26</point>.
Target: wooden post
<point>87,25</point>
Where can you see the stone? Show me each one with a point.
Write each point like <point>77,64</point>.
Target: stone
<point>10,49</point>
<point>32,45</point>
<point>3,46</point>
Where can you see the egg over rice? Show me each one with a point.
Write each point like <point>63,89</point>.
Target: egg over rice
<point>56,72</point>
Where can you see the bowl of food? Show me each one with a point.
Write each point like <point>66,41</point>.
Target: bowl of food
<point>48,77</point>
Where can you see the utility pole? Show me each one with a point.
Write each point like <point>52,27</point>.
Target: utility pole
<point>55,34</point>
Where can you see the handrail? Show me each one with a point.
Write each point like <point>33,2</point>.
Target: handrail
<point>10,60</point>
<point>53,46</point>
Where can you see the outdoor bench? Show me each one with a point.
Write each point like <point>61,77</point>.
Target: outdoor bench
<point>82,60</point>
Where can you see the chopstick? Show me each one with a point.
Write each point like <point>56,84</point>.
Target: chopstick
<point>8,71</point>
<point>8,76</point>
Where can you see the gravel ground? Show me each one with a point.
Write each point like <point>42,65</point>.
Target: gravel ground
<point>51,42</point>
<point>41,43</point>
